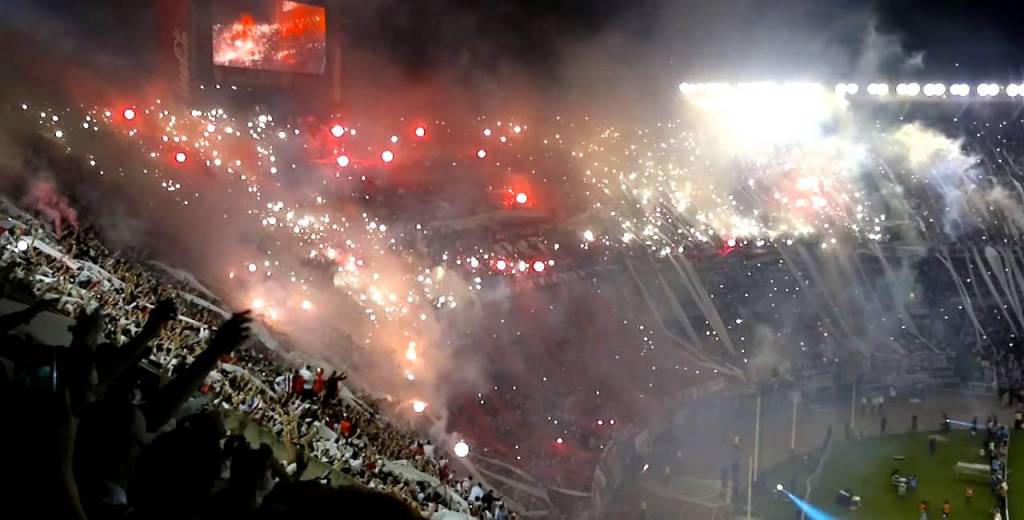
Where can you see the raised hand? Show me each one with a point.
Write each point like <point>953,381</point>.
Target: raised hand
<point>164,311</point>
<point>174,394</point>
<point>87,328</point>
<point>233,332</point>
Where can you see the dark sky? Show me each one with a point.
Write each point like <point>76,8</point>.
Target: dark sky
<point>690,37</point>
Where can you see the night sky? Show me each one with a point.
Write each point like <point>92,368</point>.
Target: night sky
<point>725,38</point>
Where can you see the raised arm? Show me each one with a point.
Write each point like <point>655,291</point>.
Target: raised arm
<point>173,395</point>
<point>132,352</point>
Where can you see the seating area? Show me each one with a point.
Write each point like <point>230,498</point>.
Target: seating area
<point>151,333</point>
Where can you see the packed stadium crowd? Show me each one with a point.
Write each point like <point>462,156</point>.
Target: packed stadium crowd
<point>151,379</point>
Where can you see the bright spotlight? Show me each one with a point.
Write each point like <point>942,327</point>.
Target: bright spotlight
<point>878,89</point>
<point>908,89</point>
<point>180,157</point>
<point>343,160</point>
<point>337,130</point>
<point>988,89</point>
<point>934,89</point>
<point>778,487</point>
<point>538,266</point>
<point>418,407</point>
<point>387,156</point>
<point>420,131</point>
<point>1013,90</point>
<point>501,265</point>
<point>521,198</point>
<point>461,449</point>
<point>959,89</point>
<point>481,153</point>
<point>128,114</point>
<point>852,88</point>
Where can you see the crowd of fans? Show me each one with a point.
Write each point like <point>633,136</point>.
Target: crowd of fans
<point>144,391</point>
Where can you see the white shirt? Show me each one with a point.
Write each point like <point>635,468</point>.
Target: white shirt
<point>476,493</point>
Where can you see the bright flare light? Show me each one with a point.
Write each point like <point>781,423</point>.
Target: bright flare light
<point>180,157</point>
<point>420,131</point>
<point>501,265</point>
<point>387,156</point>
<point>461,449</point>
<point>538,266</point>
<point>410,352</point>
<point>588,235</point>
<point>258,303</point>
<point>481,153</point>
<point>418,407</point>
<point>307,305</point>
<point>128,114</point>
<point>521,198</point>
<point>343,160</point>
<point>762,116</point>
<point>22,245</point>
<point>337,130</point>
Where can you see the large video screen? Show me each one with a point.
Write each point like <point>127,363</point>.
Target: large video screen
<point>270,35</point>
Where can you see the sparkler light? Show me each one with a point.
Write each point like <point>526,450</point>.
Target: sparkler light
<point>419,406</point>
<point>461,449</point>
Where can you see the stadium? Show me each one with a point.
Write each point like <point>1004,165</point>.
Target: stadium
<point>271,258</point>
